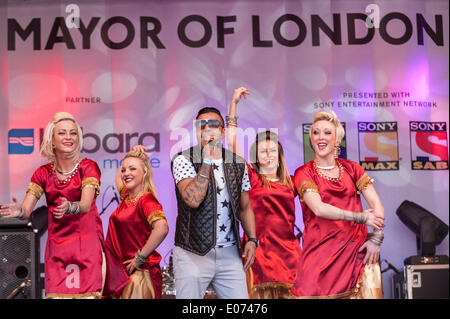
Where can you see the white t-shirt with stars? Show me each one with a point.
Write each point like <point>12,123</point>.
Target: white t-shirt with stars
<point>183,168</point>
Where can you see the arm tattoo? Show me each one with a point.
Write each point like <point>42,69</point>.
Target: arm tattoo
<point>195,191</point>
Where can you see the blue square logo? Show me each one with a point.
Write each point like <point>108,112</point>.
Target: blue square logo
<point>21,141</point>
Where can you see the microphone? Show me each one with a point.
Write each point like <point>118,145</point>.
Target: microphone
<point>215,143</point>
<point>171,264</point>
<point>391,267</point>
<point>115,198</point>
<point>300,234</point>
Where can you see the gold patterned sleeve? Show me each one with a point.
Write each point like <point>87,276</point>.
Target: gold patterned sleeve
<point>363,182</point>
<point>91,182</point>
<point>307,186</point>
<point>35,189</point>
<point>156,215</point>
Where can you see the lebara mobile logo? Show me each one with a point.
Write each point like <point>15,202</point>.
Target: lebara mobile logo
<point>429,148</point>
<point>21,141</point>
<point>378,146</point>
<point>308,151</point>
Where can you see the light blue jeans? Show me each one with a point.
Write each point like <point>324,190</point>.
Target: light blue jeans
<point>222,267</point>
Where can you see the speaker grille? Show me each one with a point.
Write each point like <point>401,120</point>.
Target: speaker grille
<point>17,263</point>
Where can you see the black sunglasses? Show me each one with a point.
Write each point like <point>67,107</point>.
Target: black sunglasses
<point>211,123</point>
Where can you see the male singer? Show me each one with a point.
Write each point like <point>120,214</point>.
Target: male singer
<point>212,187</point>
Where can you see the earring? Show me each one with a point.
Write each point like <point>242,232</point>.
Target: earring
<point>337,151</point>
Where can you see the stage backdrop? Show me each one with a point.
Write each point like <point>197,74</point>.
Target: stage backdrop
<point>138,71</point>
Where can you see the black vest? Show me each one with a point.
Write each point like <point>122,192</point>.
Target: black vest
<point>196,227</point>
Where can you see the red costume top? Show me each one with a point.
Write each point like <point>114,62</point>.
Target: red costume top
<point>73,254</point>
<point>278,254</point>
<point>130,226</point>
<point>330,264</point>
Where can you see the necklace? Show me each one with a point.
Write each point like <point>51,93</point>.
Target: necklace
<point>272,179</point>
<point>326,167</point>
<point>68,172</point>
<point>332,179</point>
<point>134,200</point>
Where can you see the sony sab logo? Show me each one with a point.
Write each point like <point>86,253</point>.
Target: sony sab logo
<point>378,146</point>
<point>21,141</point>
<point>308,151</point>
<point>429,148</point>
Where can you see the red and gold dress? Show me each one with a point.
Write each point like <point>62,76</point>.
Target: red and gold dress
<point>330,265</point>
<point>274,270</point>
<point>130,226</point>
<point>73,253</point>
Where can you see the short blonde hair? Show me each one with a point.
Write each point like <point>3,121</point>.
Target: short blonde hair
<point>47,147</point>
<point>332,118</point>
<point>149,185</point>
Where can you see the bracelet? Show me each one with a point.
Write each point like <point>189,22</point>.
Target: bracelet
<point>21,213</point>
<point>377,237</point>
<point>360,218</point>
<point>69,209</point>
<point>375,241</point>
<point>73,209</point>
<point>343,216</point>
<point>77,210</point>
<point>140,259</point>
<point>204,176</point>
<point>207,161</point>
<point>231,121</point>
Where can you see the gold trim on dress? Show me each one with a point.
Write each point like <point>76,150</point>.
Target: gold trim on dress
<point>35,189</point>
<point>307,186</point>
<point>272,290</point>
<point>91,182</point>
<point>342,295</point>
<point>369,286</point>
<point>272,285</point>
<point>156,215</point>
<point>363,182</point>
<point>74,296</point>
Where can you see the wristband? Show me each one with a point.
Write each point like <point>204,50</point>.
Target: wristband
<point>255,241</point>
<point>207,161</point>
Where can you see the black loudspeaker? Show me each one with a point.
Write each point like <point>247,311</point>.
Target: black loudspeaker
<point>19,261</point>
<point>430,230</point>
